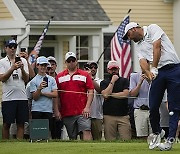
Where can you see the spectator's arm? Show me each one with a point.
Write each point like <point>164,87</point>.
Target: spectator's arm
<point>90,97</point>
<point>108,90</point>
<point>96,86</point>
<point>121,95</point>
<point>4,77</point>
<point>25,76</point>
<point>31,71</point>
<point>86,110</point>
<point>51,94</point>
<point>135,91</point>
<point>36,94</point>
<point>56,107</point>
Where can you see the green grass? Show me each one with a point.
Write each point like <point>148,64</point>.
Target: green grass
<point>0,131</point>
<point>80,147</point>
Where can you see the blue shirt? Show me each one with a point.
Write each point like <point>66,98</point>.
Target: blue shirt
<point>143,96</point>
<point>43,104</point>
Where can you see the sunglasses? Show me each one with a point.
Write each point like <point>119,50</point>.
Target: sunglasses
<point>43,65</point>
<point>12,45</point>
<point>48,68</point>
<point>69,60</point>
<point>91,67</point>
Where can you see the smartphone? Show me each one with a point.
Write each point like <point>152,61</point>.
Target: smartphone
<point>46,79</point>
<point>17,59</point>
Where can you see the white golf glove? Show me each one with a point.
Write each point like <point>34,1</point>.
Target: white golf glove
<point>154,71</point>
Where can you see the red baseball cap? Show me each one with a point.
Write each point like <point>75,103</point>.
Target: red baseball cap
<point>112,64</point>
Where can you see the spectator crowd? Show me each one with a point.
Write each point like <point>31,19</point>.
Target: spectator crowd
<point>74,100</point>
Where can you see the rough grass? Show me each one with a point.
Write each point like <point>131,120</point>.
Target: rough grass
<point>80,147</point>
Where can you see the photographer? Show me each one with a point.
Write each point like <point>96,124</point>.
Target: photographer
<point>14,74</point>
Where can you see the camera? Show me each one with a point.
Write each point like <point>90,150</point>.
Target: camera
<point>17,59</point>
<point>46,80</point>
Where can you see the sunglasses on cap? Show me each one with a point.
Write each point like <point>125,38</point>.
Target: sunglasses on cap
<point>12,46</point>
<point>93,66</point>
<point>71,59</point>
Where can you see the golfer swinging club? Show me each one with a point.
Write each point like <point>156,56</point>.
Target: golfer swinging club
<point>155,48</point>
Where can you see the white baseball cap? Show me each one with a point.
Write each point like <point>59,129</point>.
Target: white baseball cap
<point>51,58</point>
<point>70,54</point>
<point>112,64</point>
<point>42,60</point>
<point>128,27</point>
<point>92,62</point>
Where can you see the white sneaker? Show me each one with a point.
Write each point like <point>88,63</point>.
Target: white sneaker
<point>155,141</point>
<point>167,145</point>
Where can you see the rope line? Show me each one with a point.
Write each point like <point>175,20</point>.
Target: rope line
<point>86,93</point>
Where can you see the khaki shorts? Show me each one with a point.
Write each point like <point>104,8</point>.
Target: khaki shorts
<point>142,122</point>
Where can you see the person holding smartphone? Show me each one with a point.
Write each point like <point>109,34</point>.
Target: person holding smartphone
<point>13,74</point>
<point>23,53</point>
<point>43,88</point>
<point>13,129</point>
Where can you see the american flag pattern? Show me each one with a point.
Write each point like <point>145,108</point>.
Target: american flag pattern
<point>120,50</point>
<point>39,42</point>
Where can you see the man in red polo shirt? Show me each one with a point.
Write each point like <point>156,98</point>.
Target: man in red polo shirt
<point>76,94</point>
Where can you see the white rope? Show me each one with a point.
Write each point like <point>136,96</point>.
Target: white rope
<point>86,93</point>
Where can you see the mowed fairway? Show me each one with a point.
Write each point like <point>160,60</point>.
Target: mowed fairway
<point>80,148</point>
